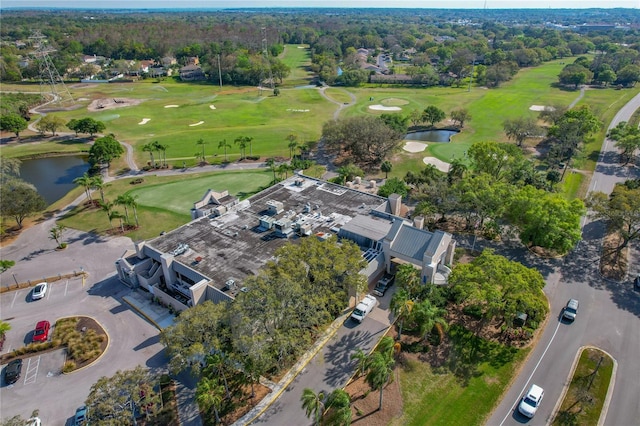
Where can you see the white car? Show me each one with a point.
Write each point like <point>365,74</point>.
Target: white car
<point>531,401</point>
<point>39,291</point>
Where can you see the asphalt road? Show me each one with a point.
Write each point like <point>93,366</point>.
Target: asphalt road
<point>608,318</point>
<point>331,368</point>
<point>133,341</point>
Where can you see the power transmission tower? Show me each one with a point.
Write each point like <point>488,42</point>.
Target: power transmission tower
<point>49,75</point>
<point>267,63</point>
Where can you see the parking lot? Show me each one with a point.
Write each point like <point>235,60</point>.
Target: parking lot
<point>132,341</point>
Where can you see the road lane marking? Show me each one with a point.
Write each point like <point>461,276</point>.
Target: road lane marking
<point>31,375</point>
<point>532,373</point>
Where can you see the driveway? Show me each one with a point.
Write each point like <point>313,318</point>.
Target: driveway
<point>609,316</point>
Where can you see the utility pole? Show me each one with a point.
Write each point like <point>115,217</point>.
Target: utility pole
<point>219,71</point>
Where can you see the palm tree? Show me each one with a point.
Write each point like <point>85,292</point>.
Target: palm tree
<point>293,144</point>
<point>117,215</point>
<point>162,149</point>
<point>248,140</point>
<point>98,183</point>
<point>283,169</point>
<point>209,395</point>
<point>386,167</point>
<point>386,347</point>
<point>223,144</point>
<point>427,316</point>
<point>362,360</point>
<point>380,369</point>
<point>338,408</point>
<point>150,147</point>
<point>242,144</point>
<point>313,404</point>
<point>56,233</point>
<point>271,163</point>
<point>86,181</point>
<point>106,207</point>
<point>401,307</point>
<point>124,200</point>
<point>203,143</point>
<point>349,171</point>
<point>216,363</point>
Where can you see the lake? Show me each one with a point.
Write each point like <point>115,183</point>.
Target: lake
<point>53,176</point>
<point>431,136</point>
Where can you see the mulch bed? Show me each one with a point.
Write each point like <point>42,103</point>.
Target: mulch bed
<point>85,324</point>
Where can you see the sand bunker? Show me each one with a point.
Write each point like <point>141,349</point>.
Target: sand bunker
<point>541,108</point>
<point>111,103</point>
<point>196,124</point>
<point>144,121</point>
<point>297,110</point>
<point>212,106</point>
<point>440,165</point>
<point>384,108</point>
<point>171,106</point>
<point>414,146</point>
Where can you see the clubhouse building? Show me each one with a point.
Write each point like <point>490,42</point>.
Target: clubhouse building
<point>228,240</point>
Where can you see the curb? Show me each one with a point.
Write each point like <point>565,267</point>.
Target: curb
<point>103,352</point>
<point>295,370</point>
<point>567,383</point>
<point>141,312</point>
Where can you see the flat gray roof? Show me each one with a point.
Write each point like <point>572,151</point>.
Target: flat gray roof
<point>233,246</point>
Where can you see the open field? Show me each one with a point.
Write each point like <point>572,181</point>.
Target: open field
<point>298,59</point>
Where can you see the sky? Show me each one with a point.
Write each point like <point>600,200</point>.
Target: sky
<point>203,4</point>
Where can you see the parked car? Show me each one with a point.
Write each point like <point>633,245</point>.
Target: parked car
<point>383,285</point>
<point>571,310</point>
<point>41,333</point>
<point>531,401</point>
<point>363,308</point>
<point>81,416</point>
<point>636,283</point>
<point>12,371</point>
<point>39,291</point>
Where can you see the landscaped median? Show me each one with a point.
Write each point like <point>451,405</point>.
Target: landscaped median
<point>585,400</point>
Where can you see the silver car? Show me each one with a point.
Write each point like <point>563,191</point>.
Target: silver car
<point>571,310</point>
<point>39,291</point>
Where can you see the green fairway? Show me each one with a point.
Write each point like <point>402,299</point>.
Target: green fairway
<point>164,203</point>
<point>298,59</point>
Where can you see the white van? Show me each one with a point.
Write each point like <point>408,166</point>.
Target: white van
<point>364,307</point>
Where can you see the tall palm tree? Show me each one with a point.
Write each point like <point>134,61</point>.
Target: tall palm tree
<point>293,144</point>
<point>248,140</point>
<point>124,201</point>
<point>209,395</point>
<point>386,347</point>
<point>98,183</point>
<point>338,409</point>
<point>313,404</point>
<point>380,369</point>
<point>271,163</point>
<point>162,149</point>
<point>149,147</point>
<point>203,143</point>
<point>362,360</point>
<point>85,180</point>
<point>216,364</point>
<point>283,169</point>
<point>241,141</point>
<point>117,215</point>
<point>106,207</point>
<point>223,144</point>
<point>401,307</point>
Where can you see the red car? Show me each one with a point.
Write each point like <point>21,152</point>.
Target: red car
<point>41,333</point>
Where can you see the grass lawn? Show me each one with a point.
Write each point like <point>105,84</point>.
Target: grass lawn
<point>585,397</point>
<point>164,203</point>
<point>465,390</point>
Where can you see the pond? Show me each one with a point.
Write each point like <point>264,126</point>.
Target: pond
<point>53,176</point>
<point>431,136</point>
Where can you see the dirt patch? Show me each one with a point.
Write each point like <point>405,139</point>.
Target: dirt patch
<point>613,263</point>
<point>365,402</point>
<point>245,403</point>
<point>102,104</point>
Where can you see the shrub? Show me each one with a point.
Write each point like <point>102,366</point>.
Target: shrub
<point>68,366</point>
<point>474,311</point>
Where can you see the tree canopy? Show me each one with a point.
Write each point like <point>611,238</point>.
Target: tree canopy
<point>104,150</point>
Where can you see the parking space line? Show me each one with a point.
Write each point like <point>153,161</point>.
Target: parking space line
<point>49,289</point>
<point>15,296</point>
<point>30,376</point>
<point>66,286</point>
